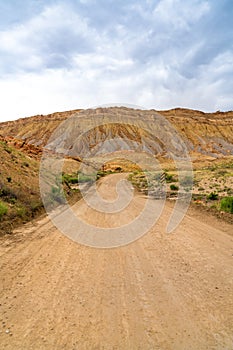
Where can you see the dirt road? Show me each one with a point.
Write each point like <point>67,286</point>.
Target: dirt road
<point>163,291</point>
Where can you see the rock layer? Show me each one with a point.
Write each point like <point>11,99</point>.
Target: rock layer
<point>205,134</point>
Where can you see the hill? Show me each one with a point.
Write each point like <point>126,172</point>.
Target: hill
<point>208,137</point>
<point>205,134</point>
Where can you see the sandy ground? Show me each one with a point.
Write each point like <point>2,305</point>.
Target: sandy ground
<point>160,292</point>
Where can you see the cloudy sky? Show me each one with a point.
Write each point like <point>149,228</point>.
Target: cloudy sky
<point>62,55</point>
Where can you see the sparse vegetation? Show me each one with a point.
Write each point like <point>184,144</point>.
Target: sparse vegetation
<point>78,178</point>
<point>21,212</point>
<point>213,196</point>
<point>25,164</point>
<point>7,148</point>
<point>169,177</point>
<point>56,194</point>
<point>174,187</point>
<point>3,209</point>
<point>226,204</point>
<point>102,173</point>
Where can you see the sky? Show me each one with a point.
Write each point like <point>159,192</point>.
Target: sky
<point>160,54</point>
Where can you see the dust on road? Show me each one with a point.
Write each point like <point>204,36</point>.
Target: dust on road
<point>163,291</point>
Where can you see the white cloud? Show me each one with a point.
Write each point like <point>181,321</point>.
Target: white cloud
<point>60,60</point>
<point>180,14</point>
<point>154,87</point>
<point>33,43</point>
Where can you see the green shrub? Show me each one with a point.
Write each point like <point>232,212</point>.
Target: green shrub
<point>21,212</point>
<point>78,178</point>
<point>226,204</point>
<point>130,177</point>
<point>7,149</point>
<point>169,178</point>
<point>197,197</point>
<point>100,174</point>
<point>36,206</point>
<point>85,178</point>
<point>222,172</point>
<point>173,194</point>
<point>56,195</point>
<point>73,180</point>
<point>213,196</point>
<point>174,187</point>
<point>7,193</point>
<point>3,209</point>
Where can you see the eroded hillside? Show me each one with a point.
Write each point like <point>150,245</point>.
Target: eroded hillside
<point>208,137</point>
<point>205,134</point>
<point>19,183</point>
